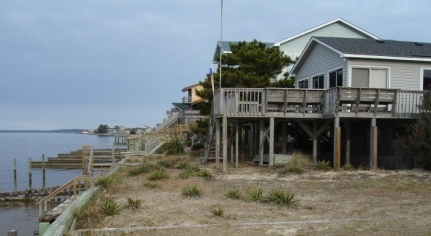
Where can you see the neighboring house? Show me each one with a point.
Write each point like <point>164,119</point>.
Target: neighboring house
<point>184,112</point>
<point>294,45</point>
<point>364,63</point>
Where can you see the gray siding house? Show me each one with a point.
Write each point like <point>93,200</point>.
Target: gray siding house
<point>329,62</point>
<point>294,45</point>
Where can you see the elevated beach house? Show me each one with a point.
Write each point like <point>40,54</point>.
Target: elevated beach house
<point>352,99</point>
<point>184,112</point>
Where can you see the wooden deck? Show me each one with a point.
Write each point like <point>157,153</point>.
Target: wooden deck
<point>313,103</point>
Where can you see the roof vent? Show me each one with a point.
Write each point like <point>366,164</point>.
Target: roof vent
<point>419,44</point>
<point>380,41</point>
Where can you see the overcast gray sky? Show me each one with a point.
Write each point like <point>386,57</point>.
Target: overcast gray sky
<point>81,63</point>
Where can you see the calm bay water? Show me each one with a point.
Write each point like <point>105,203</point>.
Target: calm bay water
<point>23,217</point>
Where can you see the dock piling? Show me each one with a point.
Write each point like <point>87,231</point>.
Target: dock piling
<point>29,174</point>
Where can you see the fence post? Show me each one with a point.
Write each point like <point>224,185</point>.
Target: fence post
<point>12,233</point>
<point>43,172</point>
<point>29,174</point>
<point>14,174</point>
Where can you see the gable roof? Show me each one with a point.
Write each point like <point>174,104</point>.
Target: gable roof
<point>338,20</point>
<point>224,47</point>
<point>369,49</point>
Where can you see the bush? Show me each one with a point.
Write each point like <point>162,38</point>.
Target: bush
<point>104,182</point>
<point>158,175</point>
<point>206,175</point>
<point>282,198</point>
<point>233,194</point>
<point>198,146</point>
<point>217,211</point>
<point>182,165</point>
<point>255,195</point>
<point>173,147</point>
<point>141,169</point>
<point>151,184</point>
<point>133,203</point>
<point>192,191</point>
<point>109,207</point>
<point>165,163</point>
<point>324,165</point>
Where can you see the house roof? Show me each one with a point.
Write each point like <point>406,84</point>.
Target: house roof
<point>340,20</point>
<point>190,87</point>
<point>224,46</point>
<point>181,106</point>
<point>369,49</point>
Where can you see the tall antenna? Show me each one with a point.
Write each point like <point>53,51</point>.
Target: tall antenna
<point>221,38</point>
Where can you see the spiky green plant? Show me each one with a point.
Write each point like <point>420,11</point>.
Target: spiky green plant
<point>184,174</point>
<point>134,203</point>
<point>165,163</point>
<point>193,168</point>
<point>206,175</point>
<point>233,194</point>
<point>151,184</point>
<point>192,191</point>
<point>104,182</point>
<point>295,170</point>
<point>182,165</point>
<point>324,165</point>
<point>110,207</point>
<point>158,175</point>
<point>217,211</point>
<point>255,195</point>
<point>282,198</point>
<point>141,169</point>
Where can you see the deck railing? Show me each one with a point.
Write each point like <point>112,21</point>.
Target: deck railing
<point>339,101</point>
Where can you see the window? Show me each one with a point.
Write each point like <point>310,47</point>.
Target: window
<point>303,83</point>
<point>336,78</point>
<point>369,78</point>
<point>318,82</point>
<point>426,79</point>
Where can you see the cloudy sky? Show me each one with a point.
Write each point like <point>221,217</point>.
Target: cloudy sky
<point>81,63</point>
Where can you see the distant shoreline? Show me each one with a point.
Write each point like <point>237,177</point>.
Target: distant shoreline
<point>44,131</point>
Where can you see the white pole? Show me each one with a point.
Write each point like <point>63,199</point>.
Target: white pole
<point>221,38</point>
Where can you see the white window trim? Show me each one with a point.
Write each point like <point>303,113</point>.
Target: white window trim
<point>388,77</point>
<point>421,78</point>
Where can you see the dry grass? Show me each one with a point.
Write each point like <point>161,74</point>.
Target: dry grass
<point>331,203</point>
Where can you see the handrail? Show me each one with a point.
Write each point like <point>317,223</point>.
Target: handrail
<point>172,119</point>
<point>73,182</point>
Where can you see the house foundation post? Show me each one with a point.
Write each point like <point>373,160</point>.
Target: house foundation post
<point>236,145</point>
<point>347,154</point>
<point>271,141</point>
<point>217,147</point>
<point>261,141</point>
<point>284,138</point>
<point>337,144</point>
<point>315,139</point>
<point>231,146</point>
<point>224,144</point>
<point>251,141</point>
<point>373,144</point>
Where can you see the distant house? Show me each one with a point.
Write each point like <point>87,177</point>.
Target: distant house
<point>184,112</point>
<point>364,63</point>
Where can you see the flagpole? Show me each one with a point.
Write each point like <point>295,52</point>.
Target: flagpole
<point>221,38</point>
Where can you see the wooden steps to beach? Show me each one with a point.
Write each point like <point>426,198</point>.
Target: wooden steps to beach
<point>73,160</point>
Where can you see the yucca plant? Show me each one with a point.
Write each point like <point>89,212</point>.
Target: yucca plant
<point>158,175</point>
<point>184,174</point>
<point>141,169</point>
<point>233,194</point>
<point>206,175</point>
<point>134,203</point>
<point>255,195</point>
<point>217,211</point>
<point>193,168</point>
<point>282,198</point>
<point>151,184</point>
<point>295,170</point>
<point>104,182</point>
<point>192,191</point>
<point>175,147</point>
<point>324,165</point>
<point>182,165</point>
<point>165,163</point>
<point>109,207</point>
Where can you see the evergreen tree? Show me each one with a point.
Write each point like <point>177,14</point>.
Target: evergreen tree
<point>250,65</point>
